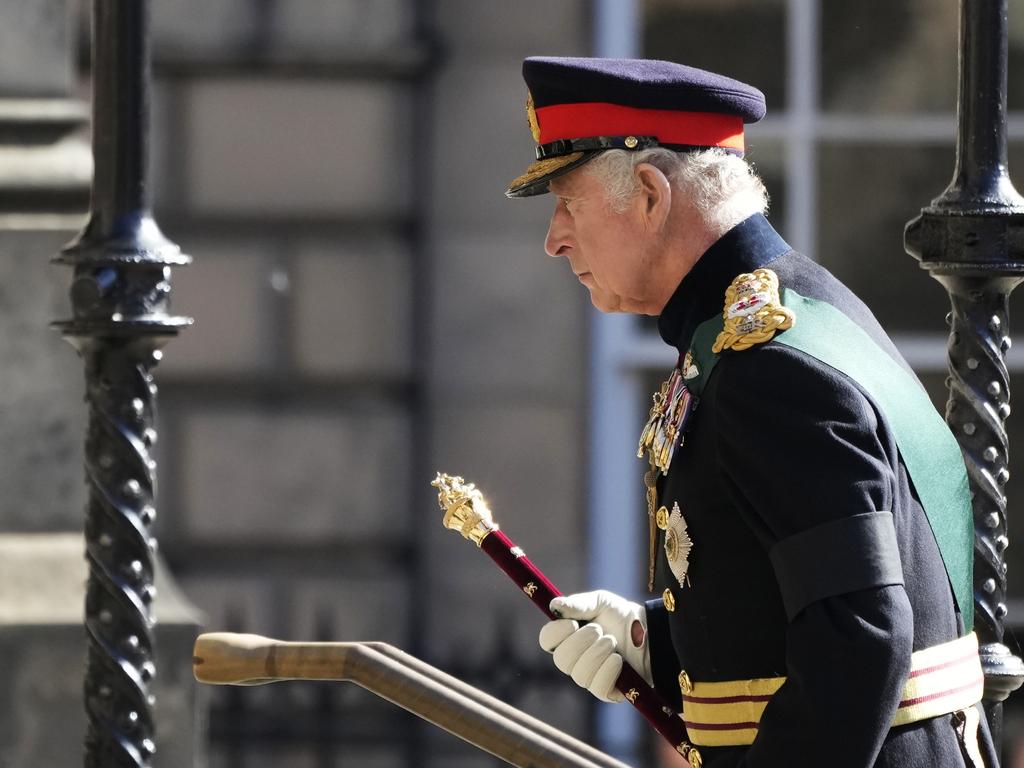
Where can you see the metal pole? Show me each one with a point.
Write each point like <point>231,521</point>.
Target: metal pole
<point>971,239</point>
<point>119,294</point>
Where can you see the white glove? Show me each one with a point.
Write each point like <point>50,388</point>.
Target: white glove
<point>592,655</point>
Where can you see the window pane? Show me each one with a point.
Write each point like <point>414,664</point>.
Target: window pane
<point>744,39</point>
<point>867,194</point>
<point>881,56</point>
<point>768,159</point>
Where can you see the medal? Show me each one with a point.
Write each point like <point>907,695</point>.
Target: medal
<point>663,432</point>
<point>661,436</point>
<point>678,545</point>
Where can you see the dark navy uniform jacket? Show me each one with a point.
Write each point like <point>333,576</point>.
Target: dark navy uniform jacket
<point>778,444</point>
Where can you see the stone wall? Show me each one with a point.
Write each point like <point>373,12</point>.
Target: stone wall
<point>45,170</point>
<point>369,308</point>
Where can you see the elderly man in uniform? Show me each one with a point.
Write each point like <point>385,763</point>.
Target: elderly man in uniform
<point>809,511</point>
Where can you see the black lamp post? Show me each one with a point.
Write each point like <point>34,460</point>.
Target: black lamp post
<point>971,239</point>
<point>119,296</point>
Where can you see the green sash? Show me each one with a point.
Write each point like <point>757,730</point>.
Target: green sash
<point>929,450</point>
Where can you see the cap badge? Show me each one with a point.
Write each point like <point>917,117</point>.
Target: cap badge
<point>531,117</point>
<point>678,545</point>
<point>753,312</point>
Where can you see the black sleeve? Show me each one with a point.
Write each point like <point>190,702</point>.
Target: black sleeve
<point>807,460</point>
<point>665,666</point>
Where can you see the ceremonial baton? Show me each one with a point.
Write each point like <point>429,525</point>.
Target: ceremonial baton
<point>466,511</point>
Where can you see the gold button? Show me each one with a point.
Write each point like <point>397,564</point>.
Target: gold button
<point>690,754</point>
<point>631,142</point>
<point>661,518</point>
<point>670,600</point>
<point>685,684</point>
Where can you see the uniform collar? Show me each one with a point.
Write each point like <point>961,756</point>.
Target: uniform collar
<point>751,244</point>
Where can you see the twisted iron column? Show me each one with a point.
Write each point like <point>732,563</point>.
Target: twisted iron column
<point>119,295</point>
<point>971,239</point>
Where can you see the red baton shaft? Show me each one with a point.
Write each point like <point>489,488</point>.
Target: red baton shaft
<point>467,512</point>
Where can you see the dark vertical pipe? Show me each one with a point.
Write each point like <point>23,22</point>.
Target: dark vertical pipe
<point>971,239</point>
<point>121,107</point>
<point>119,296</point>
<point>980,180</point>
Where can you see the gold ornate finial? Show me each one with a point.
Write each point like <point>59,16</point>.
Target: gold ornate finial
<point>464,508</point>
<point>753,312</point>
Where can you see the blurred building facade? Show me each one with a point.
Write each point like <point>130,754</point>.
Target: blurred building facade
<point>370,309</point>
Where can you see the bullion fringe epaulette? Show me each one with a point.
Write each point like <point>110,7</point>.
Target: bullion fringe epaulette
<point>753,312</point>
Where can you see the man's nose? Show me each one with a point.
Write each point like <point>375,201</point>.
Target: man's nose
<point>559,238</point>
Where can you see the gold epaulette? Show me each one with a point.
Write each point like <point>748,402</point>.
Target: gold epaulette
<point>753,312</point>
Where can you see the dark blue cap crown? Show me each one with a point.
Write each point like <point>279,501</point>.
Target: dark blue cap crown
<point>578,107</point>
<point>642,83</point>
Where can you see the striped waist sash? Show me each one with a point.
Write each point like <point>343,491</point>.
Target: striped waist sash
<point>943,679</point>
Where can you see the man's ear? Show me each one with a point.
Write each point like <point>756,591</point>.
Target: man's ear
<point>655,195</point>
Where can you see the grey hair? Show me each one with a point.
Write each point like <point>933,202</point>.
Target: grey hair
<point>722,186</point>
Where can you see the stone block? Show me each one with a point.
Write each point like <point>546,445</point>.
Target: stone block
<point>35,51</point>
<point>43,645</point>
<point>327,28</point>
<point>527,311</point>
<point>187,28</point>
<point>296,475</point>
<point>165,147</point>
<point>264,756</point>
<point>41,410</point>
<point>525,28</point>
<point>228,291</point>
<point>352,609</point>
<point>234,602</point>
<point>447,751</point>
<point>307,757</point>
<point>484,144</point>
<point>528,461</point>
<point>184,29</point>
<point>353,308</point>
<point>292,147</point>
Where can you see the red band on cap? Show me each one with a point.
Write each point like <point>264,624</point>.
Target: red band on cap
<point>697,129</point>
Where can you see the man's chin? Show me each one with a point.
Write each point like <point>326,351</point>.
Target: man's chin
<point>603,304</point>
